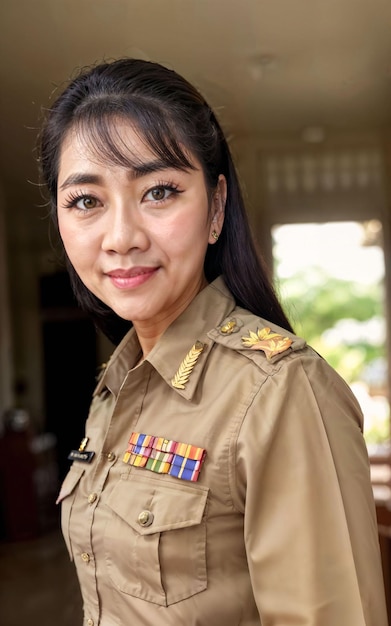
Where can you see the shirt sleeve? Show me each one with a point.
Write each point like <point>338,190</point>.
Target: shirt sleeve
<point>304,484</point>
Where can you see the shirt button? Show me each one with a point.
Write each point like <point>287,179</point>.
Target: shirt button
<point>145,518</point>
<point>85,557</point>
<point>111,456</point>
<point>92,497</point>
<point>90,622</point>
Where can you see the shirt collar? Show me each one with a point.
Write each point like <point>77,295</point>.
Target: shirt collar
<point>208,309</point>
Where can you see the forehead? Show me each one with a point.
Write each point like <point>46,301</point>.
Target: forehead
<point>124,145</point>
<point>114,140</point>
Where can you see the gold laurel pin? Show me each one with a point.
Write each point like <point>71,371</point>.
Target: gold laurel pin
<point>186,367</point>
<point>271,343</point>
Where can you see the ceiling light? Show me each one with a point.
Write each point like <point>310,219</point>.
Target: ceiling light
<point>260,64</point>
<point>313,134</point>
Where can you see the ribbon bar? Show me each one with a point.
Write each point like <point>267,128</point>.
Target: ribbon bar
<point>165,456</point>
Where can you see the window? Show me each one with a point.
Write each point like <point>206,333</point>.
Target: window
<point>331,279</point>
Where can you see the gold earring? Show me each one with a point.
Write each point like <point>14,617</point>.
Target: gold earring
<point>215,235</point>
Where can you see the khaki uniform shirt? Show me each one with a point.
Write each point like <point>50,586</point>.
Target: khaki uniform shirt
<point>279,529</point>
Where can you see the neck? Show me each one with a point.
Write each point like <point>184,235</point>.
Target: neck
<point>149,332</point>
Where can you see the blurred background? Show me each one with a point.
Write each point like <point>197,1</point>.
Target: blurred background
<point>303,91</point>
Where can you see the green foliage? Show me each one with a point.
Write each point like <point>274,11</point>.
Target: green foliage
<point>316,303</point>
<point>379,432</point>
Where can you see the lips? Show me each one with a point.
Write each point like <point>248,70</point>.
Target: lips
<point>130,273</point>
<point>132,277</point>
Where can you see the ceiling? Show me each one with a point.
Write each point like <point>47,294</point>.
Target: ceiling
<point>267,66</point>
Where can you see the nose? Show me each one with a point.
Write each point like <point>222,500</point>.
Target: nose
<point>124,230</point>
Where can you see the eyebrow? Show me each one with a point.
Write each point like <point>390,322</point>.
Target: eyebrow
<point>148,167</point>
<point>81,179</point>
<point>136,171</point>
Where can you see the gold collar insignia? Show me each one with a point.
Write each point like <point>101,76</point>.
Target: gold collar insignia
<point>186,367</point>
<point>230,326</point>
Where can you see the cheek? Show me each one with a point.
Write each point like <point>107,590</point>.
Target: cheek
<point>187,227</point>
<point>65,228</point>
<point>66,236</point>
<point>185,243</point>
<point>78,244</point>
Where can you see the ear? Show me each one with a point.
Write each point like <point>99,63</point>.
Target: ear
<point>219,199</point>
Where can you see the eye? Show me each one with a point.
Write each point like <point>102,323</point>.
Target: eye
<point>86,203</point>
<point>81,201</point>
<point>160,193</point>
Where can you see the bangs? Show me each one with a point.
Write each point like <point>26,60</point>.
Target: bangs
<point>97,125</point>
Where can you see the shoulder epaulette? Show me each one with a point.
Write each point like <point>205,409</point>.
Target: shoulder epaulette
<point>247,333</point>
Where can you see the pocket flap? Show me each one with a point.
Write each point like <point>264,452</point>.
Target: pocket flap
<point>70,482</point>
<point>151,505</point>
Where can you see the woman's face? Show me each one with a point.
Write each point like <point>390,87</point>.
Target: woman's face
<point>137,237</point>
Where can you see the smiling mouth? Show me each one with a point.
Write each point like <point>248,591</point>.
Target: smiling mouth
<point>131,278</point>
<point>131,273</point>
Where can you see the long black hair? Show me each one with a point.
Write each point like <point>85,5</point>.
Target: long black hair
<point>175,121</point>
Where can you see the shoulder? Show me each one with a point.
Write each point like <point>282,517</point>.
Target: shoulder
<point>261,341</point>
<point>285,358</point>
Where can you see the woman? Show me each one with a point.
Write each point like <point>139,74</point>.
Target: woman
<point>223,479</point>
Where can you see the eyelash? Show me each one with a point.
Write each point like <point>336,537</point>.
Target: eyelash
<point>171,187</point>
<point>75,197</point>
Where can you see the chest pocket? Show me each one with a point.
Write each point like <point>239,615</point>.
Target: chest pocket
<point>155,539</point>
<point>67,497</point>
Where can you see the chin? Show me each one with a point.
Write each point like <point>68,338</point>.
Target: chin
<point>131,316</point>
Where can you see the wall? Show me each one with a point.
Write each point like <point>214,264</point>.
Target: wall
<point>287,180</point>
<point>6,357</point>
<point>28,247</point>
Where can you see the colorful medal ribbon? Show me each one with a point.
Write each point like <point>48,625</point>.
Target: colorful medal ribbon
<point>164,456</point>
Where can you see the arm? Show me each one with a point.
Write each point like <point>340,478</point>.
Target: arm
<point>310,525</point>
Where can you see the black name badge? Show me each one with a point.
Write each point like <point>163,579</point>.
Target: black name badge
<point>84,457</point>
